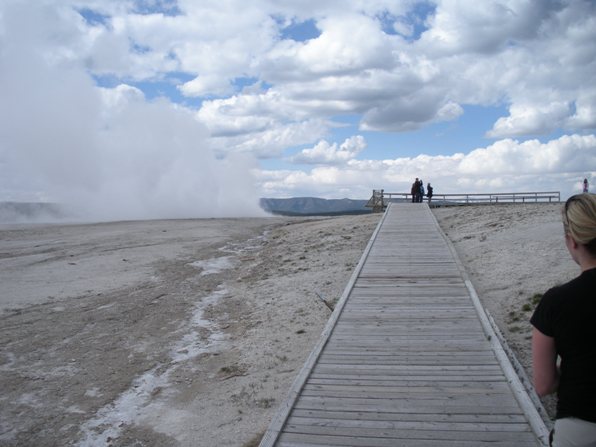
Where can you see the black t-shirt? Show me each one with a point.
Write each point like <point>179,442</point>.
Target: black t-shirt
<point>568,313</point>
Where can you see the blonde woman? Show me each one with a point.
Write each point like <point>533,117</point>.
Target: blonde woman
<point>565,325</point>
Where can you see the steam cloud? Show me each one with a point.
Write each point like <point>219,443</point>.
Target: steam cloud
<point>106,153</point>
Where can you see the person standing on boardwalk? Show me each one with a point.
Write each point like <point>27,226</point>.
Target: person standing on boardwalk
<point>429,192</point>
<point>585,185</point>
<point>564,326</point>
<point>415,189</point>
<point>420,191</point>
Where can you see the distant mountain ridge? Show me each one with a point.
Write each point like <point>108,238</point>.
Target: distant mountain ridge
<point>314,206</point>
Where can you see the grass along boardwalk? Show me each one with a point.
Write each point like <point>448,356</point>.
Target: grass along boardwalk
<point>408,357</point>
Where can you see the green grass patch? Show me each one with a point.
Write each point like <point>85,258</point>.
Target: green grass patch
<point>527,307</point>
<point>535,299</point>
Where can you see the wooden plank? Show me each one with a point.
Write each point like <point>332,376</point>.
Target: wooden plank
<point>413,327</point>
<point>400,314</point>
<point>403,315</point>
<point>400,353</point>
<point>421,341</point>
<point>397,309</point>
<point>412,359</point>
<point>411,378</point>
<point>447,418</point>
<point>382,352</point>
<point>455,406</point>
<point>407,360</point>
<point>510,434</point>
<point>415,385</point>
<point>393,391</point>
<point>358,422</point>
<point>301,440</point>
<point>395,369</point>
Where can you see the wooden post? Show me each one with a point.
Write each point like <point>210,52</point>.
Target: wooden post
<point>376,202</point>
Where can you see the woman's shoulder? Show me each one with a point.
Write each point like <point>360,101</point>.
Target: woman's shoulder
<point>584,283</point>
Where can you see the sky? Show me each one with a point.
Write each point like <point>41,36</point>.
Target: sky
<point>164,108</point>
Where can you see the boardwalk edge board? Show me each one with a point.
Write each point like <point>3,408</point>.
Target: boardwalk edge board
<point>521,373</point>
<point>279,420</point>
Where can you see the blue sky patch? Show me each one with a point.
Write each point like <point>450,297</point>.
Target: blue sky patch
<point>418,18</point>
<point>301,31</point>
<point>94,18</point>
<point>165,7</point>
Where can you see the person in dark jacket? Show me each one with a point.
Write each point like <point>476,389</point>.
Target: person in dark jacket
<point>415,191</point>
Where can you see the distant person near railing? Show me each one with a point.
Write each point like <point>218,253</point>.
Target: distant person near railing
<point>429,192</point>
<point>417,191</point>
<point>420,191</point>
<point>586,185</point>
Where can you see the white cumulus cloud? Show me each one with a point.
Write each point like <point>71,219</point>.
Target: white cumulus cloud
<point>529,165</point>
<point>325,153</point>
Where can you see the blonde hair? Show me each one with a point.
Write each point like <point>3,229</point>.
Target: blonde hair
<point>579,220</point>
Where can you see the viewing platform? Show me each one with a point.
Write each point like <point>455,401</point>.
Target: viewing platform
<point>408,357</point>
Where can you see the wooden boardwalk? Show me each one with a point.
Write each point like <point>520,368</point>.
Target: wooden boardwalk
<point>407,358</point>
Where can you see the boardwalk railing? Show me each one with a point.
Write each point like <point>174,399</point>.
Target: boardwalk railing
<point>459,199</point>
